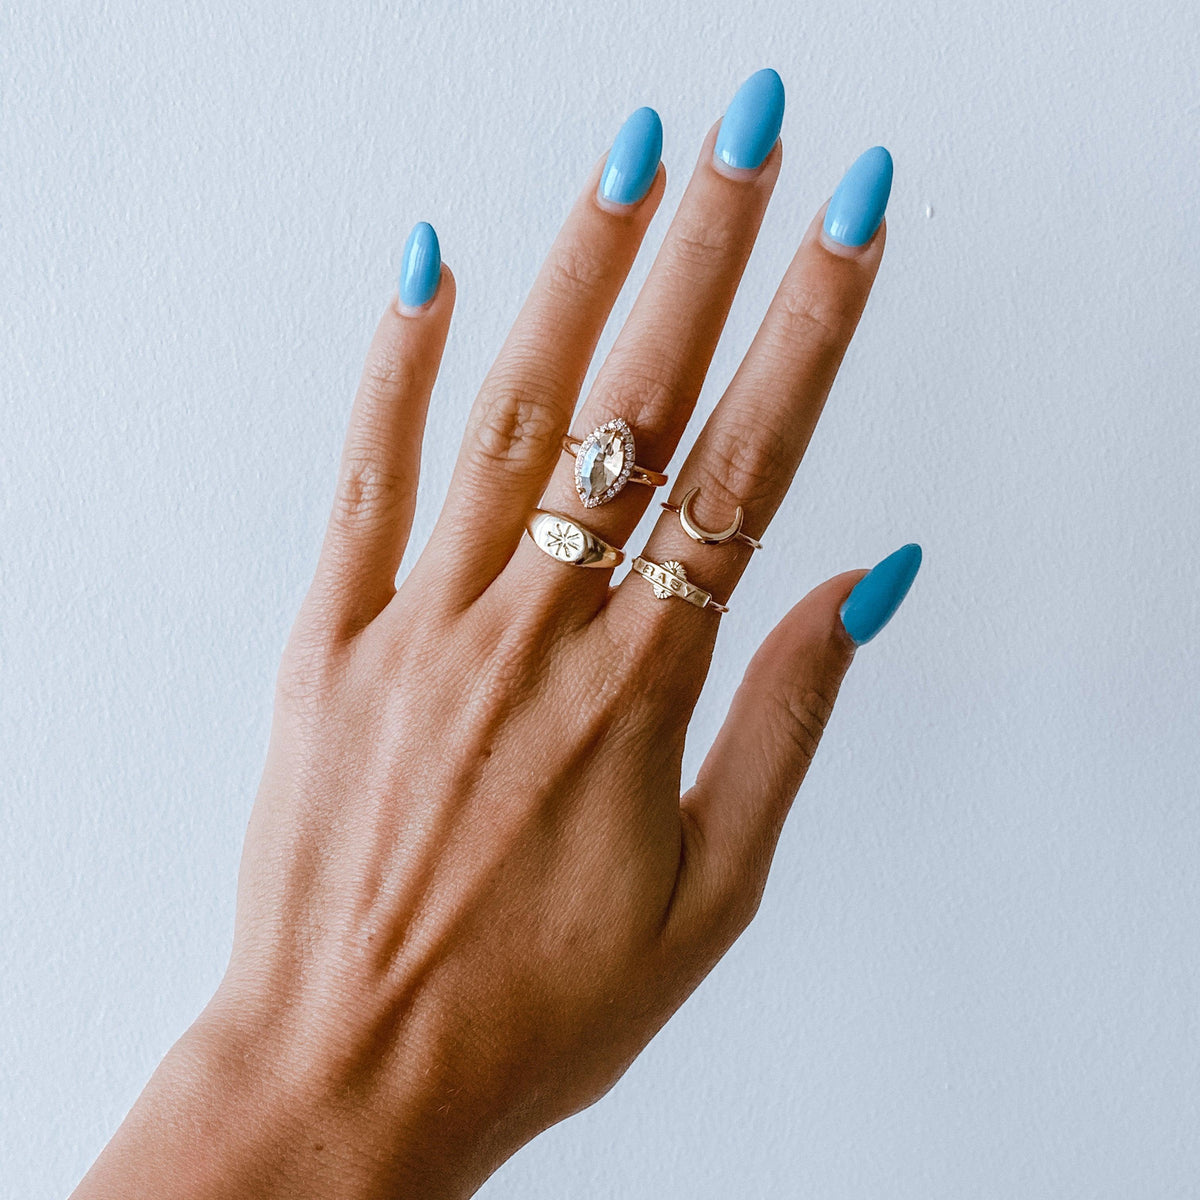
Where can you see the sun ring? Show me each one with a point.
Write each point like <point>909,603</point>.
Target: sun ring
<point>570,542</point>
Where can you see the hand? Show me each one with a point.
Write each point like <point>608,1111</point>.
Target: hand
<point>471,889</point>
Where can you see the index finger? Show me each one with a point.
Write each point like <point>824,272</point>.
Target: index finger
<point>513,436</point>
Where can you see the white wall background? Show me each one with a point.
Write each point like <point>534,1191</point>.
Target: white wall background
<point>975,972</point>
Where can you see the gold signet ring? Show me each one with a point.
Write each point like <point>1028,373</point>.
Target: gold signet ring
<point>670,579</point>
<point>697,534</point>
<point>604,462</point>
<point>562,538</point>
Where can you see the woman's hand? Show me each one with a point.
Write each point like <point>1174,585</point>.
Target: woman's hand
<point>471,889</point>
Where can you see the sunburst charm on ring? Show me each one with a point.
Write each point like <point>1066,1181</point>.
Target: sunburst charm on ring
<point>670,579</point>
<point>675,568</point>
<point>605,462</point>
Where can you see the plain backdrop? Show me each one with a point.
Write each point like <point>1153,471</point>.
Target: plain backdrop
<point>974,972</point>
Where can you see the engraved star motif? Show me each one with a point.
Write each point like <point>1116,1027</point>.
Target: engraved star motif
<point>564,541</point>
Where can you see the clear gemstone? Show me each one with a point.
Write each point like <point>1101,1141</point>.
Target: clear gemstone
<point>601,463</point>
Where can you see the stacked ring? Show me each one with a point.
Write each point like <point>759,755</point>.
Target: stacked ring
<point>569,542</point>
<point>604,462</point>
<point>670,579</point>
<point>697,534</point>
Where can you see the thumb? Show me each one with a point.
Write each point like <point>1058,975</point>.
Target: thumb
<point>754,769</point>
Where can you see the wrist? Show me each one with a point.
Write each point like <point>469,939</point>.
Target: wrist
<point>239,1108</point>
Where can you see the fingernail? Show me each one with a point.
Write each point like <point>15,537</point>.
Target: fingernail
<point>420,267</point>
<point>858,204</point>
<point>633,160</point>
<point>879,593</point>
<point>750,126</point>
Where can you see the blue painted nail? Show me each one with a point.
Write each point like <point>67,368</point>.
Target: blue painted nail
<point>633,160</point>
<point>421,266</point>
<point>750,126</point>
<point>879,593</point>
<point>858,204</point>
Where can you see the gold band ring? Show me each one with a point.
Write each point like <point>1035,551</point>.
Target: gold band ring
<point>697,534</point>
<point>569,542</point>
<point>604,462</point>
<point>670,579</point>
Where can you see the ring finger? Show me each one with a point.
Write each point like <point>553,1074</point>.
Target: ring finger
<point>751,445</point>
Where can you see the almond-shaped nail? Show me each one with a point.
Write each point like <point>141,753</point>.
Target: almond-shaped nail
<point>875,598</point>
<point>420,267</point>
<point>858,204</point>
<point>751,124</point>
<point>633,160</point>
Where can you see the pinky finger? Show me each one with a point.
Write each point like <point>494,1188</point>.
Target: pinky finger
<point>376,491</point>
<point>750,777</point>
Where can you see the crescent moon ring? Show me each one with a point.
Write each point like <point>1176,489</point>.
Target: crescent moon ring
<point>708,537</point>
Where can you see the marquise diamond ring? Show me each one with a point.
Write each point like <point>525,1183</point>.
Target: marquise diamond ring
<point>604,462</point>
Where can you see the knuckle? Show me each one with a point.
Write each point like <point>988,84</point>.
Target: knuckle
<point>386,375</point>
<point>506,667</point>
<point>697,245</point>
<point>515,427</point>
<point>748,899</point>
<point>816,318</point>
<point>367,491</point>
<point>800,718</point>
<point>645,394</point>
<point>308,668</point>
<point>727,883</point>
<point>574,269</point>
<point>736,902</point>
<point>748,463</point>
<point>624,679</point>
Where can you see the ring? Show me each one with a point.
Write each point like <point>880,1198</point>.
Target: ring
<point>670,579</point>
<point>563,539</point>
<point>604,462</point>
<point>703,535</point>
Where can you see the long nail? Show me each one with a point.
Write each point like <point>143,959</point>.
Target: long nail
<point>750,126</point>
<point>633,160</point>
<point>875,598</point>
<point>420,267</point>
<point>858,205</point>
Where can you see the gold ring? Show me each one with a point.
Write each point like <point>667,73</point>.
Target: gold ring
<point>604,462</point>
<point>563,539</point>
<point>697,534</point>
<point>670,579</point>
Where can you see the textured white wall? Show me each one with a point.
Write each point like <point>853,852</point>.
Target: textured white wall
<point>975,968</point>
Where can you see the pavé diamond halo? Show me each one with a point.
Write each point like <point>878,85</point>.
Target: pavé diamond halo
<point>605,461</point>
